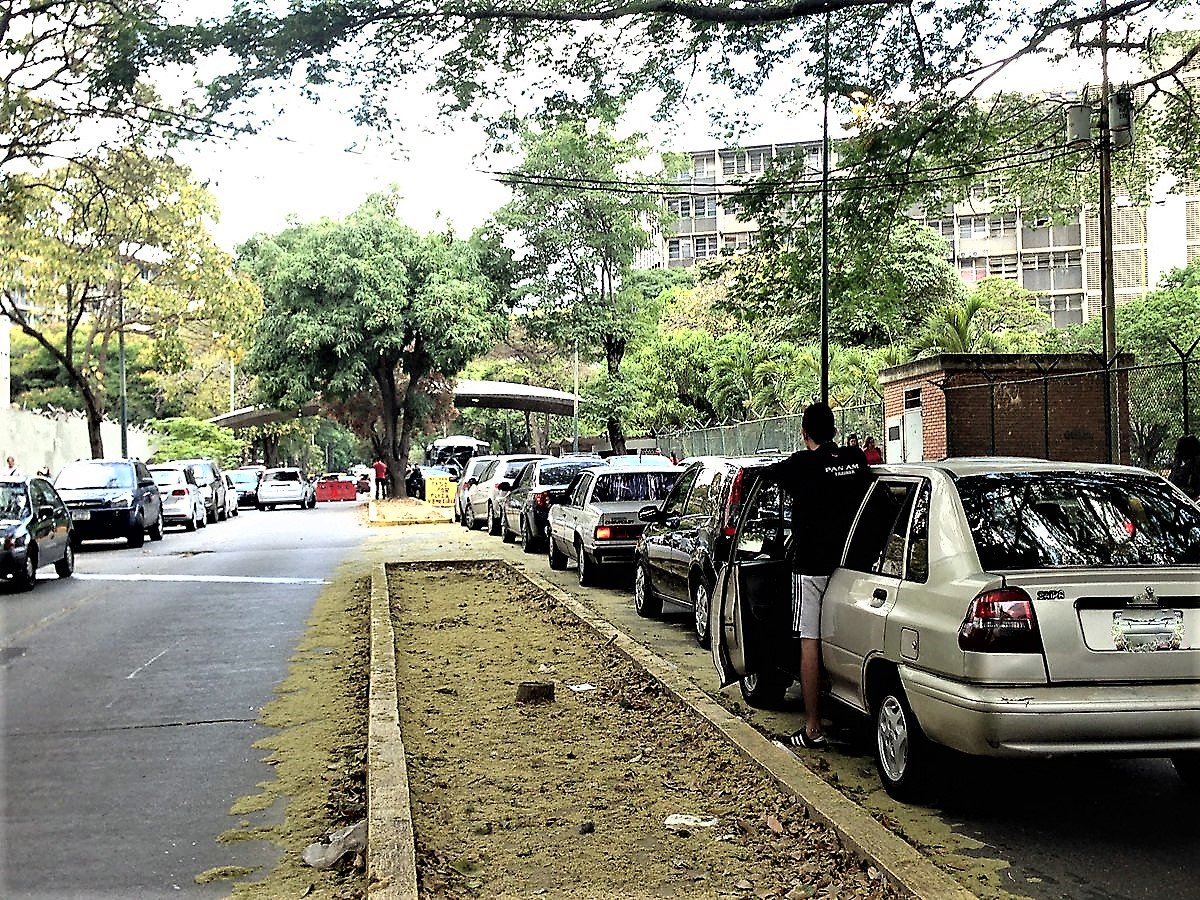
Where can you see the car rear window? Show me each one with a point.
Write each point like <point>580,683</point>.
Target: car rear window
<point>562,474</point>
<point>244,478</point>
<point>634,486</point>
<point>1036,520</point>
<point>81,475</point>
<point>165,477</point>
<point>282,476</point>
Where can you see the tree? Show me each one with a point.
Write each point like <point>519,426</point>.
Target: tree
<point>117,246</point>
<point>368,303</point>
<point>185,437</point>
<point>578,246</point>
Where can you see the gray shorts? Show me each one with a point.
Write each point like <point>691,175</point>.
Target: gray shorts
<point>807,593</point>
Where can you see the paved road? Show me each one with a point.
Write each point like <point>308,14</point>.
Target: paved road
<point>130,695</point>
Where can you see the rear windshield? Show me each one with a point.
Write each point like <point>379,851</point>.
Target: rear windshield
<point>513,469</point>
<point>562,474</point>
<point>282,476</point>
<point>80,475</point>
<point>1023,520</point>
<point>164,477</point>
<point>241,478</point>
<point>633,486</point>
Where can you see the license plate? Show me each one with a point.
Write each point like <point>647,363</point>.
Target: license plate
<point>1136,632</point>
<point>81,515</point>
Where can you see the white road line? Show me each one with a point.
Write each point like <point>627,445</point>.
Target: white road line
<point>144,665</point>
<point>215,579</point>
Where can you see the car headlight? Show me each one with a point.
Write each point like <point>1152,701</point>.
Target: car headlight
<point>121,500</point>
<point>15,539</point>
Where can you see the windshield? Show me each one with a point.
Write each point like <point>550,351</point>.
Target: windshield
<point>243,479</point>
<point>80,475</point>
<point>621,486</point>
<point>1038,520</point>
<point>14,500</point>
<point>165,477</point>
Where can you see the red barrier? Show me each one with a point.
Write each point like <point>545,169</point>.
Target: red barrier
<point>336,490</point>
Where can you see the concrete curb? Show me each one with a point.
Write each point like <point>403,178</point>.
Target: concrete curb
<point>391,853</point>
<point>435,516</point>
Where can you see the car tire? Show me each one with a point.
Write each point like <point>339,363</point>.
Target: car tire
<point>65,567</point>
<point>1187,766</point>
<point>558,559</point>
<point>764,690</point>
<point>528,542</point>
<point>646,603</point>
<point>137,536</point>
<point>202,522</point>
<point>156,530</point>
<point>210,517</point>
<point>493,520</point>
<point>506,535</point>
<point>701,601</point>
<point>190,525</point>
<point>584,566</point>
<point>462,517</point>
<point>222,513</point>
<point>26,577</point>
<point>902,752</point>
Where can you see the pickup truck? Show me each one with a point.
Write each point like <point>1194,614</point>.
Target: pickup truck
<point>597,524</point>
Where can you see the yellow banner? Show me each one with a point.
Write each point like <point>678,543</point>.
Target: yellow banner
<point>439,490</point>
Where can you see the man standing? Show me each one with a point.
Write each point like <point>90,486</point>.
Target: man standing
<point>826,483</point>
<point>381,472</point>
<point>11,468</point>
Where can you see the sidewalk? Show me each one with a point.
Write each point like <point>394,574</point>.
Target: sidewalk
<point>406,512</point>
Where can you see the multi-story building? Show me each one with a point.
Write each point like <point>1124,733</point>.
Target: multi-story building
<point>1059,261</point>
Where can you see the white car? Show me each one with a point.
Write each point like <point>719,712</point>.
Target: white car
<point>182,498</point>
<point>469,476</point>
<point>597,524</point>
<point>998,607</point>
<point>286,485</point>
<point>483,497</point>
<point>231,496</point>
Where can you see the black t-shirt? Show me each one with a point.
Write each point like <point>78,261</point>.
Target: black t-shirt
<point>826,485</point>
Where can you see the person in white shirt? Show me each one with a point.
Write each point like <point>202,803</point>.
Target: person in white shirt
<point>12,469</point>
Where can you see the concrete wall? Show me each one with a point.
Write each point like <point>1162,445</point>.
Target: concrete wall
<point>41,441</point>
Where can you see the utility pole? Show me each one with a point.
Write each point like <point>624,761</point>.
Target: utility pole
<point>825,217</point>
<point>1108,302</point>
<point>575,400</point>
<point>121,352</point>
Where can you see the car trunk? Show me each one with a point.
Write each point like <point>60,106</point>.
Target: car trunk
<point>623,512</point>
<point>1117,625</point>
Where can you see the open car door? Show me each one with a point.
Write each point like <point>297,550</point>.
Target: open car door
<point>751,611</point>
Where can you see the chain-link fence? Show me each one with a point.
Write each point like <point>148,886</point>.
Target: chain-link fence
<point>779,433</point>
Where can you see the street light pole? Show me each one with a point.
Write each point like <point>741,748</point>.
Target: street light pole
<point>575,400</point>
<point>825,217</point>
<point>1108,303</point>
<point>121,354</point>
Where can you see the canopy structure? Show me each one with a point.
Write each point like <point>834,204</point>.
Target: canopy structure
<point>482,394</point>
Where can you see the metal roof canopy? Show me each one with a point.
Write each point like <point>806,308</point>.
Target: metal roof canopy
<point>479,394</point>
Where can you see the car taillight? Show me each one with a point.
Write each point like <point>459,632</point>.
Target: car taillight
<point>729,528</point>
<point>179,492</point>
<point>1001,621</point>
<point>542,499</point>
<point>618,532</point>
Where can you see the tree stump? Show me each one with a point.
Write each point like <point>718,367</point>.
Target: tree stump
<point>535,692</point>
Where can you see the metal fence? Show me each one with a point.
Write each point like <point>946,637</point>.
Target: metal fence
<point>780,433</point>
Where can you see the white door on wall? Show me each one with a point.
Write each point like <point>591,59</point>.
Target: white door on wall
<point>914,443</point>
<point>894,448</point>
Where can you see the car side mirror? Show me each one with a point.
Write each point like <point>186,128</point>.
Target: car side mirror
<point>471,482</point>
<point>648,514</point>
<point>147,482</point>
<point>504,486</point>
<point>45,512</point>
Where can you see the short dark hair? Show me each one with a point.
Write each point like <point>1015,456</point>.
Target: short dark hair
<point>818,422</point>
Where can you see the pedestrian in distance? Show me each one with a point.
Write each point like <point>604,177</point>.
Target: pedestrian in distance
<point>12,470</point>
<point>872,453</point>
<point>414,483</point>
<point>381,478</point>
<point>1185,466</point>
<point>852,441</point>
<point>826,484</point>
<point>674,458</point>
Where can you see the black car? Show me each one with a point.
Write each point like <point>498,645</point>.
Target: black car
<point>111,498</point>
<point>35,529</point>
<point>246,483</point>
<point>539,485</point>
<point>678,554</point>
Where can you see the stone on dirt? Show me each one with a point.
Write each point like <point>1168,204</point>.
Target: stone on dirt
<point>352,838</point>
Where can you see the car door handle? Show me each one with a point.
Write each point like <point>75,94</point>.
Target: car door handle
<point>878,597</point>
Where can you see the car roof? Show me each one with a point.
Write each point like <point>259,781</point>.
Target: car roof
<point>962,466</point>
<point>163,467</point>
<point>637,469</point>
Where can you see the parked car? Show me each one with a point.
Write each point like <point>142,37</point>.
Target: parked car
<point>182,500</point>
<point>286,485</point>
<point>212,485</point>
<point>998,607</point>
<point>539,485</point>
<point>686,540</point>
<point>469,476</point>
<point>245,484</point>
<point>111,498</point>
<point>597,524</point>
<point>35,529</point>
<point>484,497</point>
<point>232,503</point>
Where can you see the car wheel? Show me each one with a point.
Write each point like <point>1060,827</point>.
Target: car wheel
<point>137,537</point>
<point>902,751</point>
<point>701,593</point>
<point>1187,766</point>
<point>528,542</point>
<point>764,690</point>
<point>645,602</point>
<point>211,515</point>
<point>493,521</point>
<point>202,520</point>
<point>585,565</point>
<point>26,577</point>
<point>222,513</point>
<point>156,530</point>
<point>235,511</point>
<point>191,524</point>
<point>558,559</point>
<point>65,567</point>
<point>462,517</point>
<point>505,535</point>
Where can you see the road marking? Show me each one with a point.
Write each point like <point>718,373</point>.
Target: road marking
<point>217,579</point>
<point>145,665</point>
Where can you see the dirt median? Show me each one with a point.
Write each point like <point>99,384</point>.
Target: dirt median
<point>573,798</point>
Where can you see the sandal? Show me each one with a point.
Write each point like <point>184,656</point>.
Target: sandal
<point>808,741</point>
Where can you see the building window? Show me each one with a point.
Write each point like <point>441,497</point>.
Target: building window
<point>742,240</point>
<point>944,227</point>
<point>679,248</point>
<point>703,166</point>
<point>1003,267</point>
<point>706,246</point>
<point>973,227</point>
<point>1064,309</point>
<point>998,226</point>
<point>680,206</point>
<point>972,270</point>
<point>757,160</point>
